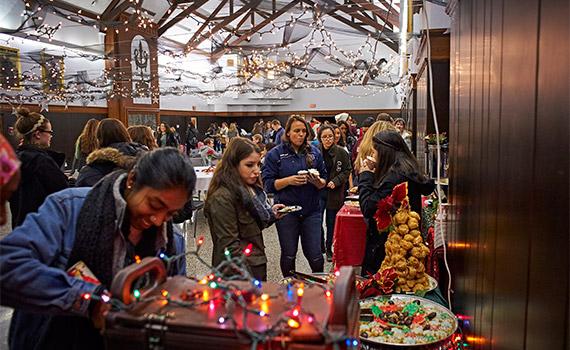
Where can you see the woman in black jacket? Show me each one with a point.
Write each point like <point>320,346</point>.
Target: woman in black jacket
<point>337,163</point>
<point>116,151</point>
<point>394,164</point>
<point>41,167</point>
<point>165,137</point>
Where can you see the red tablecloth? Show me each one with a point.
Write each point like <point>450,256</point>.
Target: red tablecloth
<point>349,237</point>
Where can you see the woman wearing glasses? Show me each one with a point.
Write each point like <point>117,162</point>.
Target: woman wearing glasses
<point>337,163</point>
<point>41,167</point>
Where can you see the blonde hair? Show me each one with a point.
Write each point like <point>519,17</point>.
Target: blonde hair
<point>366,145</point>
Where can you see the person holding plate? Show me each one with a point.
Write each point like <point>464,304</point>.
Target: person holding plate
<point>285,173</point>
<point>237,208</point>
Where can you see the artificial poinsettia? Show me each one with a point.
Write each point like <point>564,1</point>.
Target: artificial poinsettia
<point>387,206</point>
<point>400,192</point>
<point>383,214</point>
<point>381,283</point>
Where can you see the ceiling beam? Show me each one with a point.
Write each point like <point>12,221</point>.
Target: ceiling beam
<point>255,29</point>
<point>386,16</point>
<point>205,17</point>
<point>109,7</point>
<point>71,8</point>
<point>167,14</point>
<point>116,12</point>
<point>391,7</point>
<point>181,16</point>
<point>240,23</point>
<point>223,23</point>
<point>353,11</point>
<point>391,44</point>
<point>198,32</point>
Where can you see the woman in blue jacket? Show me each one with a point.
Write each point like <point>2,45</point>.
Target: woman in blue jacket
<point>280,174</point>
<point>106,227</point>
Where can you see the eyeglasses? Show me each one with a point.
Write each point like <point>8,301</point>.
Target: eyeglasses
<point>48,131</point>
<point>327,137</point>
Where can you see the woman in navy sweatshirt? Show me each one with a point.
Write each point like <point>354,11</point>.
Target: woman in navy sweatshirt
<point>281,176</point>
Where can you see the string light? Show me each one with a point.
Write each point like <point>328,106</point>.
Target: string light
<point>293,323</point>
<point>248,249</point>
<point>137,294</point>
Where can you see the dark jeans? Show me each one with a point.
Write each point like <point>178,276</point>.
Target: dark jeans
<point>329,216</point>
<point>289,229</point>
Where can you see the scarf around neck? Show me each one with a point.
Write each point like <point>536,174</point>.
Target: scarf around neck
<point>258,206</point>
<point>99,242</point>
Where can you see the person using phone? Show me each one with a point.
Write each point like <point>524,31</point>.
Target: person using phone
<point>394,164</point>
<point>281,176</point>
<point>237,208</point>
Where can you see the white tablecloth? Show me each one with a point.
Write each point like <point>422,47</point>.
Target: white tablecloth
<point>202,179</point>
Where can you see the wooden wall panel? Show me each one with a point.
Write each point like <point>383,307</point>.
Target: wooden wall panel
<point>66,129</point>
<point>509,171</point>
<point>549,223</point>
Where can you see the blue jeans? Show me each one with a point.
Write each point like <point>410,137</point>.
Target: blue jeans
<point>289,229</point>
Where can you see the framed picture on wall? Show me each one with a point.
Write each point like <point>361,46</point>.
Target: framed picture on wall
<point>142,118</point>
<point>10,68</point>
<point>52,72</point>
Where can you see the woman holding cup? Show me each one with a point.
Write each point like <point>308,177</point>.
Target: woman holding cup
<point>294,171</point>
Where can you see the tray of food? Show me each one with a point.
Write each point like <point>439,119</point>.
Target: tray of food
<point>290,209</point>
<point>398,320</point>
<point>432,285</point>
<point>352,203</point>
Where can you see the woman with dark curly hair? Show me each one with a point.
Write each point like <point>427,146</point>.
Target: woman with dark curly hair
<point>165,137</point>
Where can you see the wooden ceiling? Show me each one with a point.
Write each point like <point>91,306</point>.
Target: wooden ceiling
<point>238,20</point>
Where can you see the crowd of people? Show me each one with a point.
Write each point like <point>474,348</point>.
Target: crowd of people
<point>132,182</point>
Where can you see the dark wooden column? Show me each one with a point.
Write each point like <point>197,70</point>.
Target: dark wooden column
<point>118,49</point>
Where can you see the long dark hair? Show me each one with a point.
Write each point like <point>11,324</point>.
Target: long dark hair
<point>227,173</point>
<point>111,131</point>
<point>320,134</point>
<point>166,126</point>
<point>305,146</point>
<point>164,168</point>
<point>394,155</point>
<point>143,135</point>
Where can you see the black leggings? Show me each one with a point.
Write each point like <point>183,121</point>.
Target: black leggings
<point>375,251</point>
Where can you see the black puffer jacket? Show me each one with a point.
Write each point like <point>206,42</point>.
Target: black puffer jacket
<point>106,160</point>
<point>41,176</point>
